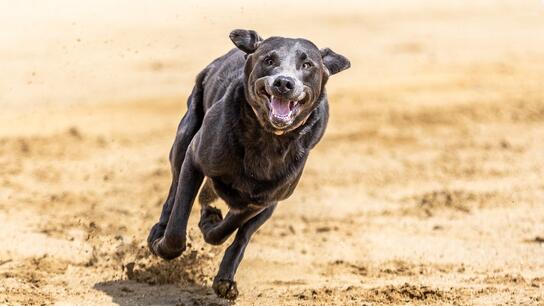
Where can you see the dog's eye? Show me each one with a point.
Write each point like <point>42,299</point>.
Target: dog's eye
<point>268,61</point>
<point>307,65</point>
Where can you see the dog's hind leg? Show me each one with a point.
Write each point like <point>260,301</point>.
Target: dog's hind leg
<point>209,215</point>
<point>188,127</point>
<point>207,194</point>
<point>223,283</point>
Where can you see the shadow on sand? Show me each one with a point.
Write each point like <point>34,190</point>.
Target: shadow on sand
<point>130,293</point>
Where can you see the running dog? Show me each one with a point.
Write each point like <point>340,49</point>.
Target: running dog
<point>252,119</point>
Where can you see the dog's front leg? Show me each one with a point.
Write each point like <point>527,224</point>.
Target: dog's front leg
<point>172,244</point>
<point>223,283</point>
<point>188,127</point>
<point>217,230</point>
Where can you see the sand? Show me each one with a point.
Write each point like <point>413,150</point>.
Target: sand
<point>426,189</point>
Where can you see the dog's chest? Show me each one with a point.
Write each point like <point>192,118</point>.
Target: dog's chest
<point>269,161</point>
<point>264,174</point>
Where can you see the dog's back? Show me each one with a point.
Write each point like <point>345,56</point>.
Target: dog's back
<point>220,74</point>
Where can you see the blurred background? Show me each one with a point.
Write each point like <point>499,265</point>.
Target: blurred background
<point>427,188</point>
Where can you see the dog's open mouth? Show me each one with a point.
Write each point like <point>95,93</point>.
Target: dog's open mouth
<point>282,111</point>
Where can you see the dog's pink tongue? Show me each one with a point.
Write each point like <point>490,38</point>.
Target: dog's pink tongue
<point>279,107</point>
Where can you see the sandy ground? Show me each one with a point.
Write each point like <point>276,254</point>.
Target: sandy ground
<point>427,188</point>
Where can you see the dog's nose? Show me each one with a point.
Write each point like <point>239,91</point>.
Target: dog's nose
<point>283,85</point>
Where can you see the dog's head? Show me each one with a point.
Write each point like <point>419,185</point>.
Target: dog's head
<point>284,77</point>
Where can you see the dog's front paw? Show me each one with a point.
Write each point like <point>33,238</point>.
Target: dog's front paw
<point>225,288</point>
<point>155,234</point>
<point>158,245</point>
<point>160,248</point>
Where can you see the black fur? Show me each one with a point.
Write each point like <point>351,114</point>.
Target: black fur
<point>248,139</point>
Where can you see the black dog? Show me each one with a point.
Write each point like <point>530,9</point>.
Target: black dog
<point>252,119</point>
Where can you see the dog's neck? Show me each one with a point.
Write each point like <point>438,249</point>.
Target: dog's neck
<point>274,155</point>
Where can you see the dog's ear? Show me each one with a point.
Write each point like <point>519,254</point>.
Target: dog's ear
<point>334,62</point>
<point>245,40</point>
